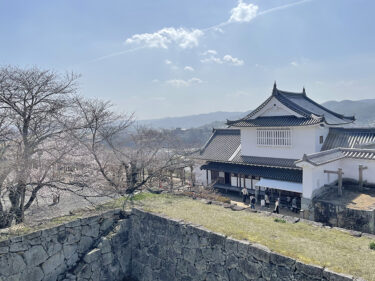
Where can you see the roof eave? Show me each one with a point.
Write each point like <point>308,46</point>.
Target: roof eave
<point>250,164</point>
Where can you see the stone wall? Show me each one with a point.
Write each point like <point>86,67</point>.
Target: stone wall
<point>145,247</point>
<point>165,249</point>
<point>340,216</point>
<point>47,254</point>
<point>109,261</point>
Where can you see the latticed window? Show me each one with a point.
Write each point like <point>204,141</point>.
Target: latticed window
<point>274,137</point>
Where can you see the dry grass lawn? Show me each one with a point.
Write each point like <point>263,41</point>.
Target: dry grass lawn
<point>330,248</point>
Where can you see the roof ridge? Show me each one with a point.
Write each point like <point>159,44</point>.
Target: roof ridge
<point>354,149</point>
<point>299,108</point>
<point>352,128</point>
<point>328,110</point>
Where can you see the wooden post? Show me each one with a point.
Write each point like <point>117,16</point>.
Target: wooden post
<point>184,175</point>
<point>191,176</point>
<point>360,180</point>
<point>206,177</point>
<point>339,182</point>
<point>171,175</point>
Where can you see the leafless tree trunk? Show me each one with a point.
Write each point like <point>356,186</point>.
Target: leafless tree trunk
<point>131,149</point>
<point>31,100</point>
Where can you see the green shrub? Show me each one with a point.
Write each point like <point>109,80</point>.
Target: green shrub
<point>279,220</point>
<point>372,245</point>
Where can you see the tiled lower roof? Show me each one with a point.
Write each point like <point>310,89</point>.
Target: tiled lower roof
<point>224,146</point>
<point>221,146</point>
<point>265,161</point>
<point>331,155</point>
<point>349,138</point>
<point>276,121</point>
<point>291,175</point>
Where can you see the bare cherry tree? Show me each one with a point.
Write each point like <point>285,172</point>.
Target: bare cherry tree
<point>51,140</point>
<point>33,107</point>
<point>127,157</point>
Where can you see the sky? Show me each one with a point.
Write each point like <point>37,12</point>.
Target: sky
<point>173,58</point>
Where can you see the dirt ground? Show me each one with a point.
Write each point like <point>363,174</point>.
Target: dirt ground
<point>237,199</point>
<point>364,200</point>
<point>44,209</point>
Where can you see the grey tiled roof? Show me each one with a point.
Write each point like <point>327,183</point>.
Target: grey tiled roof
<point>312,112</point>
<point>264,172</point>
<point>224,143</point>
<point>265,161</point>
<point>331,155</point>
<point>221,145</point>
<point>276,121</point>
<point>349,138</point>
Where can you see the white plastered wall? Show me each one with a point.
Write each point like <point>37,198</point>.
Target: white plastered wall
<point>200,175</point>
<point>314,176</point>
<point>305,140</point>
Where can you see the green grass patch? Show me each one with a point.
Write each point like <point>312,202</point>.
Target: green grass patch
<point>279,220</point>
<point>372,245</point>
<point>143,195</point>
<point>336,250</point>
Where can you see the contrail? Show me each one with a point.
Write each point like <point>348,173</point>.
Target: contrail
<point>260,14</point>
<point>116,54</point>
<point>207,28</point>
<point>283,7</point>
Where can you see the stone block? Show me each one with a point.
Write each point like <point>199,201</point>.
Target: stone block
<point>281,260</point>
<point>33,235</point>
<point>106,224</point>
<point>105,245</point>
<point>74,223</point>
<point>92,256</point>
<point>69,250</point>
<point>35,256</point>
<point>50,265</point>
<point>11,264</point>
<point>18,247</point>
<point>4,248</point>
<point>107,258</point>
<point>91,230</point>
<point>52,247</point>
<point>84,244</point>
<point>243,248</point>
<point>310,270</point>
<point>34,274</point>
<point>259,252</point>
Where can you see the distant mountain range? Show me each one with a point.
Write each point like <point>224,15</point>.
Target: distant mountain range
<point>364,111</point>
<point>191,121</point>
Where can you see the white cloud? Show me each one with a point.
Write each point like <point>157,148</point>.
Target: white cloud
<point>189,68</point>
<point>184,38</point>
<point>213,58</point>
<point>243,12</point>
<point>155,81</point>
<point>210,52</point>
<point>179,83</point>
<point>168,62</point>
<point>232,60</point>
<point>294,63</point>
<point>195,80</point>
